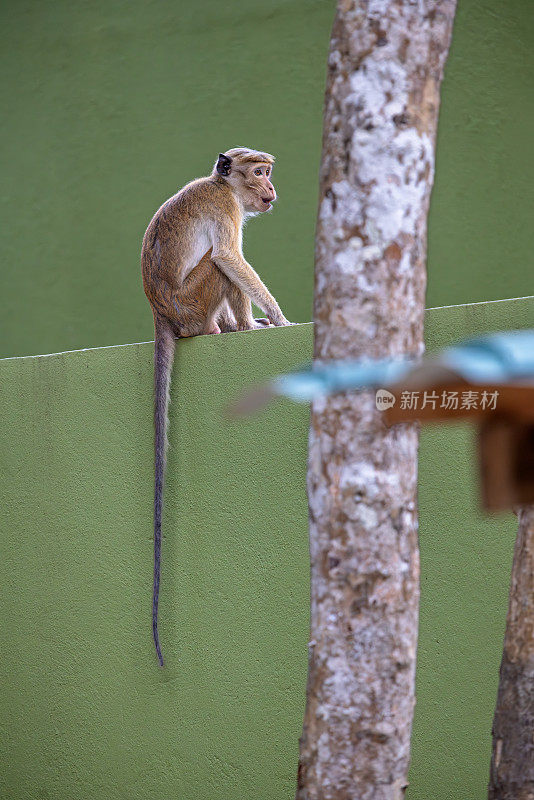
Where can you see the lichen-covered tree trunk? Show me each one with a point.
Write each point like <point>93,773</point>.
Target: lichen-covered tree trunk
<point>512,762</point>
<point>384,72</point>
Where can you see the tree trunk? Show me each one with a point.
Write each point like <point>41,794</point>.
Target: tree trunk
<point>385,68</point>
<point>512,761</point>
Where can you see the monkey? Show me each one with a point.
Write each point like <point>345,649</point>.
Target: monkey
<point>197,281</point>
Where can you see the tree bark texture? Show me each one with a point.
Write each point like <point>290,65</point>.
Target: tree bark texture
<point>512,762</point>
<point>384,72</point>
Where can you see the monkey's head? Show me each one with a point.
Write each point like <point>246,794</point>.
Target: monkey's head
<point>249,174</point>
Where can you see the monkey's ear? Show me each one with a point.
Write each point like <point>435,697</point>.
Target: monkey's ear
<point>223,164</point>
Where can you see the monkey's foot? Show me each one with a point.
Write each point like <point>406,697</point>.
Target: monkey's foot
<point>258,325</point>
<point>213,329</point>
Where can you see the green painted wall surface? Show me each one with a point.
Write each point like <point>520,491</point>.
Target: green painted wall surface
<point>113,105</point>
<point>85,712</point>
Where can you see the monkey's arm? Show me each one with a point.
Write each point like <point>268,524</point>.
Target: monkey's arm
<point>239,271</point>
<point>229,259</point>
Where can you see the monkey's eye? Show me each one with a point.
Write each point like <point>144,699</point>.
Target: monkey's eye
<point>257,171</point>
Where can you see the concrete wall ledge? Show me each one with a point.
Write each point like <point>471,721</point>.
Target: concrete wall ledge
<point>86,713</point>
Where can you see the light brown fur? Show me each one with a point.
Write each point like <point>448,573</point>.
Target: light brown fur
<point>197,281</point>
<point>193,289</point>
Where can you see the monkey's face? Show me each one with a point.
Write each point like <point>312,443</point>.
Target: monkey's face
<point>253,182</point>
<point>249,174</point>
<point>262,193</point>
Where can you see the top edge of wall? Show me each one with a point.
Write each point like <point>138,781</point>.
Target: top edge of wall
<point>490,303</point>
<point>112,347</point>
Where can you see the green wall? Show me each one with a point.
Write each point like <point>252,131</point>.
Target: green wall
<point>85,712</point>
<point>111,106</point>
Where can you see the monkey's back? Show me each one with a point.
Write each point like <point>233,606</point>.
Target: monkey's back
<point>179,235</point>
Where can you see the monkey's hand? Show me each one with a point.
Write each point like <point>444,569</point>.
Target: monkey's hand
<point>282,321</point>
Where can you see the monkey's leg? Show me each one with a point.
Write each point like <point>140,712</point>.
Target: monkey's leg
<point>241,307</point>
<point>239,271</point>
<point>225,318</point>
<point>227,322</point>
<point>196,302</point>
<point>208,302</point>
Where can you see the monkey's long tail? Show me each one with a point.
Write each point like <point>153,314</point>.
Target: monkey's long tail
<point>163,359</point>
